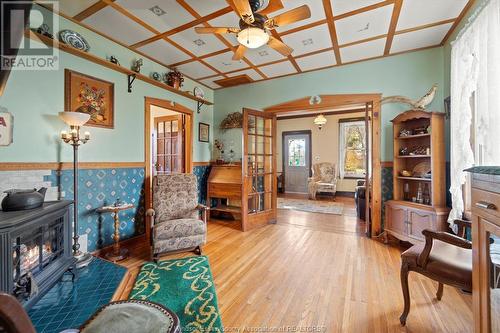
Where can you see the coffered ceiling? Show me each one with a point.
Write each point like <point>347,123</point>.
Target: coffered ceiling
<point>338,32</point>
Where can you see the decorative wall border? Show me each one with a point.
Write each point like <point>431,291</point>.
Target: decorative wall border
<point>18,166</point>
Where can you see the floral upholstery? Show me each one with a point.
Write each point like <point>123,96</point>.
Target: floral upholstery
<point>177,224</point>
<point>324,179</point>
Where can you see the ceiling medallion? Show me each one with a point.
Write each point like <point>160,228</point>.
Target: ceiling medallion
<point>157,11</point>
<point>199,42</point>
<point>308,41</point>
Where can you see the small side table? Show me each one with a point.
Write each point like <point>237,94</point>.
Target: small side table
<point>118,253</point>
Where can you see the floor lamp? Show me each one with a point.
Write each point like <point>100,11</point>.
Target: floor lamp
<point>75,120</point>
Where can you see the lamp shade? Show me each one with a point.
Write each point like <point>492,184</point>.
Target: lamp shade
<point>253,37</point>
<point>74,118</point>
<point>320,120</point>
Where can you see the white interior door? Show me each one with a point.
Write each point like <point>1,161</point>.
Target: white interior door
<point>297,162</point>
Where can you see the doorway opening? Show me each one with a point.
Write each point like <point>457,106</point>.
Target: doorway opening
<point>168,142</point>
<point>305,110</point>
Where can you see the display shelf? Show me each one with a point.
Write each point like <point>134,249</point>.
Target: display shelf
<point>413,156</point>
<point>415,178</point>
<point>103,62</point>
<point>413,136</point>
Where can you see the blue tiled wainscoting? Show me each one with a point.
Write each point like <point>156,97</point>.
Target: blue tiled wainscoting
<point>202,173</point>
<point>101,187</point>
<point>387,186</point>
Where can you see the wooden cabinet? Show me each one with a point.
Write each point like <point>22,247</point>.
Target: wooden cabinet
<point>419,171</point>
<point>225,187</point>
<point>407,220</point>
<point>486,251</point>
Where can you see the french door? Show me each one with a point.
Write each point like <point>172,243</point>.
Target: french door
<point>259,169</point>
<point>169,148</point>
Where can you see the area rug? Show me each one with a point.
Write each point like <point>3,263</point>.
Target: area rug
<point>186,287</point>
<point>312,206</point>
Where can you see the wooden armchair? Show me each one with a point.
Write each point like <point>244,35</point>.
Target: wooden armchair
<point>445,258</point>
<point>176,223</point>
<point>324,179</point>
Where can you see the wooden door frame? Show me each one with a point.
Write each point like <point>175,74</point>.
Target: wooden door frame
<point>300,132</point>
<point>188,161</point>
<point>332,101</point>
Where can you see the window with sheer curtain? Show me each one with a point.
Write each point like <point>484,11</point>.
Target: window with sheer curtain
<point>475,101</point>
<point>352,149</point>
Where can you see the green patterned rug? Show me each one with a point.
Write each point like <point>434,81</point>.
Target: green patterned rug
<point>186,287</point>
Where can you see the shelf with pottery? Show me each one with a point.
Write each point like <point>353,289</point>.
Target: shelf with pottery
<point>419,192</point>
<point>103,62</point>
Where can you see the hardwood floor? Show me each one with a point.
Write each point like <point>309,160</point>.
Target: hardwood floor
<point>316,271</point>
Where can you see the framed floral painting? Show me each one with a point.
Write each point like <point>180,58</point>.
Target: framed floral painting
<point>87,94</point>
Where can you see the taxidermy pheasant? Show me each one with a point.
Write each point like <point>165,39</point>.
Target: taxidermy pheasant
<point>419,104</point>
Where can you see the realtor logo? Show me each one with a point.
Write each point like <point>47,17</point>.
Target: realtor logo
<point>20,18</point>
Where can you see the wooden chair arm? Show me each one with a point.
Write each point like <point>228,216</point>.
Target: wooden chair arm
<point>462,227</point>
<point>442,236</point>
<point>204,212</point>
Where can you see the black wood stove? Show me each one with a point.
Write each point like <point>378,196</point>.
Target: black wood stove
<point>35,250</point>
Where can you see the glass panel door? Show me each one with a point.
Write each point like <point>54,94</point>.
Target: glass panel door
<point>259,167</point>
<point>169,149</point>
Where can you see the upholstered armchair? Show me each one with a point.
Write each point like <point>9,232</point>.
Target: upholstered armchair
<point>175,217</point>
<point>445,258</point>
<point>324,179</point>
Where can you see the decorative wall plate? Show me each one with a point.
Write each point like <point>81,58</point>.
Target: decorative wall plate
<point>198,92</point>
<point>74,39</point>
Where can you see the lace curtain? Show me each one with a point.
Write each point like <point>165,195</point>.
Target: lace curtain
<point>475,71</point>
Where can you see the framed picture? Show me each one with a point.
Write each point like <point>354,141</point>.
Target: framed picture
<point>203,132</point>
<point>87,94</point>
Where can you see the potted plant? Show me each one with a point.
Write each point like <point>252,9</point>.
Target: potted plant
<point>175,78</point>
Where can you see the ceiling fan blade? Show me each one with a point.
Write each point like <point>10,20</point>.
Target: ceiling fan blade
<point>217,30</point>
<point>280,46</point>
<point>239,53</point>
<point>273,6</point>
<point>292,16</point>
<point>244,10</point>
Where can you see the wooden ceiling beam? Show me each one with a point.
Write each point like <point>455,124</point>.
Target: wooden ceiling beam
<point>363,9</point>
<point>396,11</point>
<point>229,46</point>
<point>460,17</point>
<point>90,10</point>
<point>333,31</point>
<point>72,19</point>
<point>183,27</point>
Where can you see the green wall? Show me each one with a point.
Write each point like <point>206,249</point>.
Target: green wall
<point>36,97</point>
<point>410,74</point>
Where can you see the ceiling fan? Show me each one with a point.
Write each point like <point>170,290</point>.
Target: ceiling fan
<point>254,27</point>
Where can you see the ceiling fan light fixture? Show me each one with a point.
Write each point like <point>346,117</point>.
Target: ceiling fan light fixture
<point>253,38</point>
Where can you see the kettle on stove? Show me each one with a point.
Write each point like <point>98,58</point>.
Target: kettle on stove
<point>23,199</point>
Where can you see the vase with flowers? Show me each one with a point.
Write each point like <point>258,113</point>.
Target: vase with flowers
<point>174,78</point>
